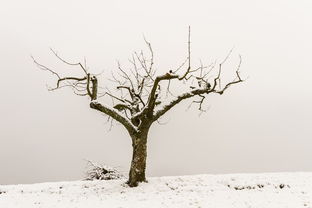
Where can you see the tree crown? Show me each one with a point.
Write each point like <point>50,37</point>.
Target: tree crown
<point>141,95</point>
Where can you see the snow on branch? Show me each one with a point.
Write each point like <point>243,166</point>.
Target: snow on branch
<point>114,114</point>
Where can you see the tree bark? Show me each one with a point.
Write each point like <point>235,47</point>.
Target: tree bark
<point>138,163</point>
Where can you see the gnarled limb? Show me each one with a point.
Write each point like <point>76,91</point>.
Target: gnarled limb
<point>114,114</point>
<point>176,101</point>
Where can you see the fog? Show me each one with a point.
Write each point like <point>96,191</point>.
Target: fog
<point>260,125</point>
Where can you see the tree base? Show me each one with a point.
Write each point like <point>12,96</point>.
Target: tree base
<point>135,183</point>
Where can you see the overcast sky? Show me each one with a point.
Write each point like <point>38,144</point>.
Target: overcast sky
<point>261,125</point>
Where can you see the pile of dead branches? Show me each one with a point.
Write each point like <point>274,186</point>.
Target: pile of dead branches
<point>101,172</point>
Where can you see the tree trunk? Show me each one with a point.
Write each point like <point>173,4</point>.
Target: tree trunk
<point>138,163</point>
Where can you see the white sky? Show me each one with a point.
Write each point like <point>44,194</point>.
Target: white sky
<point>261,125</point>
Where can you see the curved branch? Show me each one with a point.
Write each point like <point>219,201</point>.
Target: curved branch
<point>42,67</point>
<point>114,114</point>
<point>178,99</point>
<point>68,78</point>
<point>68,63</point>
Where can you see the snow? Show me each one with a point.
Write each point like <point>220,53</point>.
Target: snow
<point>233,190</point>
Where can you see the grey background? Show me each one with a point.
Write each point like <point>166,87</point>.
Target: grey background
<point>262,125</point>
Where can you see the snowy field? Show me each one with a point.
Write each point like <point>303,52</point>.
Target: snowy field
<point>234,190</point>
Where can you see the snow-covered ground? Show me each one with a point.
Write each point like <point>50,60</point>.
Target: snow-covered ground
<point>233,190</point>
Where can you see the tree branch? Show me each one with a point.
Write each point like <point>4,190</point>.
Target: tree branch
<point>152,97</point>
<point>201,92</point>
<point>178,99</point>
<point>114,114</point>
<point>66,62</point>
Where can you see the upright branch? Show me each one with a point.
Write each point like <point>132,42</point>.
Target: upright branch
<point>188,57</point>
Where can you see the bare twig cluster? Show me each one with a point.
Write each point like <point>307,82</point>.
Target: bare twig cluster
<point>86,85</point>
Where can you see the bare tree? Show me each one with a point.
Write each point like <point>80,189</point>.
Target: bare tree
<point>142,96</point>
